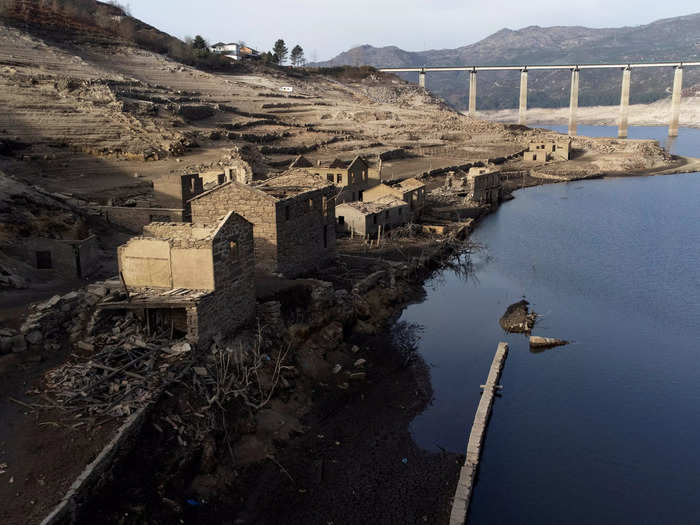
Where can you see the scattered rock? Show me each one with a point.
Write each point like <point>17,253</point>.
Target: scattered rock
<point>34,337</point>
<point>49,304</point>
<point>97,289</point>
<point>358,376</point>
<point>200,371</point>
<point>84,345</point>
<point>364,327</point>
<point>180,348</point>
<point>337,368</point>
<point>360,362</point>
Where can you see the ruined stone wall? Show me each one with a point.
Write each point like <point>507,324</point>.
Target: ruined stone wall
<point>173,191</point>
<point>305,232</point>
<point>66,258</point>
<point>354,220</point>
<point>380,190</point>
<point>157,263</point>
<point>368,223</point>
<point>485,188</point>
<point>232,304</point>
<point>134,219</point>
<point>89,255</point>
<point>254,206</point>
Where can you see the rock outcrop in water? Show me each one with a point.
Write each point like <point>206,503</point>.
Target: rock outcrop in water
<point>518,318</point>
<point>546,342</point>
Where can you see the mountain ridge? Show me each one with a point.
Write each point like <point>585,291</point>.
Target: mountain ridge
<point>675,38</point>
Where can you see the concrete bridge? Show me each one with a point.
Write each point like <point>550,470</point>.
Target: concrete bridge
<point>573,99</point>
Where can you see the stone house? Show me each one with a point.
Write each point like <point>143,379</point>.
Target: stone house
<point>411,191</point>
<point>194,278</point>
<point>365,218</point>
<point>293,219</point>
<point>65,258</point>
<point>541,152</point>
<point>351,178</point>
<point>484,185</point>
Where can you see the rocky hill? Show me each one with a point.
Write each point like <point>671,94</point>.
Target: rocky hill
<point>668,39</point>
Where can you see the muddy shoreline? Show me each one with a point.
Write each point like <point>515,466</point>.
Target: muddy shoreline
<point>354,461</point>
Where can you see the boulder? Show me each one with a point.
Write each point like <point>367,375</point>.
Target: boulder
<point>97,289</point>
<point>49,304</point>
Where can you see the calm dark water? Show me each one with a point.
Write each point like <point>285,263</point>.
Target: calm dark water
<point>605,430</point>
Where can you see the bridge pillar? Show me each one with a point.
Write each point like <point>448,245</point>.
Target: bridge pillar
<point>676,101</point>
<point>421,79</point>
<point>522,119</point>
<point>573,101</point>
<point>472,93</point>
<point>624,103</point>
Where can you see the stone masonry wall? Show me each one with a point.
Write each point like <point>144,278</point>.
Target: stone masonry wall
<point>134,219</point>
<point>301,247</point>
<point>232,304</point>
<point>253,205</point>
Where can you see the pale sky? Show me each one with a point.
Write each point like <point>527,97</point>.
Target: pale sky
<point>325,28</point>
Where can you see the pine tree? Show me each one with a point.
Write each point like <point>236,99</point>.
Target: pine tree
<point>297,56</point>
<point>280,51</point>
<point>199,43</point>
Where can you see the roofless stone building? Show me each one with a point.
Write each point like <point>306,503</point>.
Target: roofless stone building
<point>193,278</point>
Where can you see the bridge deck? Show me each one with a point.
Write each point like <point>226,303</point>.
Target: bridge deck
<point>533,67</point>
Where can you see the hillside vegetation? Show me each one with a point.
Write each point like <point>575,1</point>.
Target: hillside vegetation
<point>668,39</point>
<point>95,21</point>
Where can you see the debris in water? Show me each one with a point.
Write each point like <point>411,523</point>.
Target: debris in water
<point>546,342</point>
<point>518,318</point>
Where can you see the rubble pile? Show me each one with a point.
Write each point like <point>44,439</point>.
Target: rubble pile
<point>48,322</point>
<point>122,372</point>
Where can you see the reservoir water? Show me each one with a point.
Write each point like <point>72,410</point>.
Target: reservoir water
<point>607,429</point>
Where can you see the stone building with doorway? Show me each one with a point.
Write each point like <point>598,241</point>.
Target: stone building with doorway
<point>293,217</point>
<point>366,218</point>
<point>351,178</point>
<point>546,151</point>
<point>484,185</point>
<point>411,191</point>
<point>63,258</point>
<point>197,279</point>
